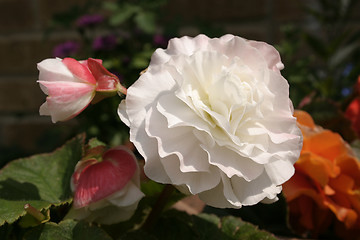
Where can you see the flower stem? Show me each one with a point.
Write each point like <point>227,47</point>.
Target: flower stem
<point>34,212</point>
<point>158,207</point>
<point>121,89</point>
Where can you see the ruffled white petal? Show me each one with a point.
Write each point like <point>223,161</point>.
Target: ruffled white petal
<point>122,113</point>
<point>271,56</point>
<point>187,148</point>
<point>212,116</point>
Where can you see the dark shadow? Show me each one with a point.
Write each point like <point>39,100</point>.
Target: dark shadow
<point>11,189</point>
<point>177,225</point>
<point>69,166</point>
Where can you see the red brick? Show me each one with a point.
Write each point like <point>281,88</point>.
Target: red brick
<point>20,55</point>
<point>16,15</point>
<point>249,31</point>
<point>31,134</point>
<point>215,10</point>
<point>285,11</point>
<point>354,12</point>
<point>20,95</point>
<point>49,8</point>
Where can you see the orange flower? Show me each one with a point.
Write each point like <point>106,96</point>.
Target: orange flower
<point>326,186</point>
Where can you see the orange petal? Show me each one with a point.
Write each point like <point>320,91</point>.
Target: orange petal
<point>326,144</point>
<point>328,190</point>
<point>304,119</point>
<point>317,168</point>
<point>343,214</point>
<point>298,186</point>
<point>306,208</point>
<point>349,166</point>
<point>342,183</point>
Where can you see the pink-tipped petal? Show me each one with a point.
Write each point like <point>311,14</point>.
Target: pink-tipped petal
<point>100,180</point>
<point>80,166</point>
<point>106,81</point>
<point>79,70</point>
<point>52,69</point>
<point>66,99</point>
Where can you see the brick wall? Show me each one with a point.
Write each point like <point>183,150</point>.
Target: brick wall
<point>256,19</point>
<point>22,45</point>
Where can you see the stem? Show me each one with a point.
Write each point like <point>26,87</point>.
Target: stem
<point>34,212</point>
<point>158,207</point>
<point>120,88</point>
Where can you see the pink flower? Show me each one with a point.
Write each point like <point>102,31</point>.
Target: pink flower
<point>71,85</point>
<point>108,191</point>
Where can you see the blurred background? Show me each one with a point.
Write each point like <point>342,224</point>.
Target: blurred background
<point>318,41</point>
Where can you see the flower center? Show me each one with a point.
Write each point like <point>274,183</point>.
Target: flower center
<point>222,92</point>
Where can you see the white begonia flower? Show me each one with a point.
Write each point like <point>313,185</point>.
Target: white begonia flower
<point>213,117</point>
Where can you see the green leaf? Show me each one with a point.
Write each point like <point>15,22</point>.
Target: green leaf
<point>111,6</point>
<point>146,21</point>
<point>40,180</point>
<point>238,229</point>
<point>123,14</point>
<point>342,54</point>
<point>317,46</point>
<point>94,142</point>
<point>65,230</point>
<point>137,235</point>
<point>179,225</point>
<point>141,60</point>
<point>174,225</point>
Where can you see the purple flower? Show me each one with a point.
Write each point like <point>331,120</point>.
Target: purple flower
<point>66,49</point>
<point>89,20</point>
<point>160,40</point>
<point>107,42</point>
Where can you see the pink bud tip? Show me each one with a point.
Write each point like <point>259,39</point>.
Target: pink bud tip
<point>79,70</point>
<point>99,180</point>
<point>106,81</point>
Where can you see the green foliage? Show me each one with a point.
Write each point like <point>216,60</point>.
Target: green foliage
<point>137,235</point>
<point>131,27</point>
<point>321,63</point>
<point>65,230</point>
<point>237,229</point>
<point>41,181</point>
<point>327,114</point>
<point>178,225</point>
<point>323,60</point>
<point>94,142</point>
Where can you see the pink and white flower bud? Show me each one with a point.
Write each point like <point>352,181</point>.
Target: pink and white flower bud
<point>71,85</point>
<point>106,192</point>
